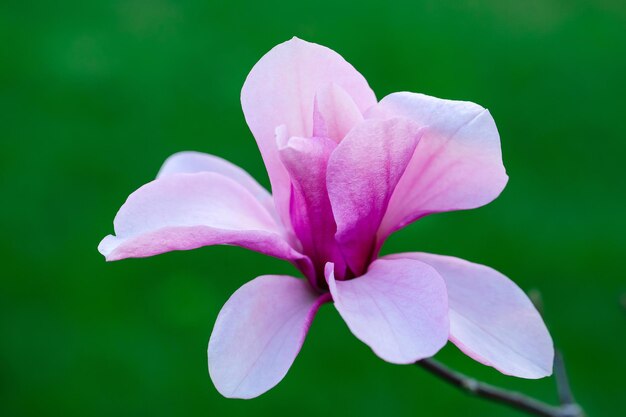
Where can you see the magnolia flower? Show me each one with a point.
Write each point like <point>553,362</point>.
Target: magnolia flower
<point>346,171</point>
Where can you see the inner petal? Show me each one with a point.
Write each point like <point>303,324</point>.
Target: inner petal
<point>334,112</point>
<point>311,215</point>
<point>362,175</point>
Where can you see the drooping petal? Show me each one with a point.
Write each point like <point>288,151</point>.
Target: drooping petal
<point>280,90</point>
<point>457,164</point>
<point>311,215</point>
<point>335,113</point>
<point>399,308</point>
<point>491,319</point>
<point>259,333</point>
<point>362,174</point>
<point>187,211</point>
<point>190,162</point>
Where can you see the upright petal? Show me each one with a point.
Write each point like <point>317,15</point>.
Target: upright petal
<point>456,166</point>
<point>335,111</point>
<point>362,174</point>
<point>491,319</point>
<point>187,211</point>
<point>259,333</point>
<point>282,194</point>
<point>312,219</point>
<point>280,90</point>
<point>190,162</point>
<point>399,308</point>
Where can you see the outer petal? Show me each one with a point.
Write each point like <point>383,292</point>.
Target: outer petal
<point>399,308</point>
<point>190,162</point>
<point>186,211</point>
<point>362,174</point>
<point>259,333</point>
<point>456,166</point>
<point>280,90</point>
<point>491,319</point>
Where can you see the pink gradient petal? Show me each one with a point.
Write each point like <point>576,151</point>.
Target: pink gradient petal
<point>399,308</point>
<point>457,164</point>
<point>280,90</point>
<point>282,194</point>
<point>311,215</point>
<point>259,333</point>
<point>362,174</point>
<point>190,162</point>
<point>187,211</point>
<point>336,112</point>
<point>491,319</point>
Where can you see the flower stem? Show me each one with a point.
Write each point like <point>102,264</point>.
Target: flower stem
<point>471,386</point>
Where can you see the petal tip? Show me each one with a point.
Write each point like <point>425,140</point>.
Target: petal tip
<point>229,392</point>
<point>107,246</point>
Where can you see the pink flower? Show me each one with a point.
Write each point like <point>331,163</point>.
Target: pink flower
<point>346,172</point>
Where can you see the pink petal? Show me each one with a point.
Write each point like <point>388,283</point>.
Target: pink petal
<point>282,194</point>
<point>191,162</point>
<point>311,215</point>
<point>259,333</point>
<point>187,211</point>
<point>280,90</point>
<point>456,166</point>
<point>491,319</point>
<point>335,111</point>
<point>362,174</point>
<point>399,308</point>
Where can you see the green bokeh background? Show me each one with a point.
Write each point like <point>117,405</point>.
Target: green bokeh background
<point>94,95</point>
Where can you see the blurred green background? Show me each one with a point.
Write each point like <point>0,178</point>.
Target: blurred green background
<point>94,95</point>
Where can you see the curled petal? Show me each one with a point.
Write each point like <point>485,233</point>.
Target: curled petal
<point>399,308</point>
<point>187,211</point>
<point>491,319</point>
<point>259,333</point>
<point>310,212</point>
<point>362,174</point>
<point>280,90</point>
<point>457,164</point>
<point>190,162</point>
<point>335,113</point>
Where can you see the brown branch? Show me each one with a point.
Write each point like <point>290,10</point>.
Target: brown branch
<point>563,388</point>
<point>512,399</point>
